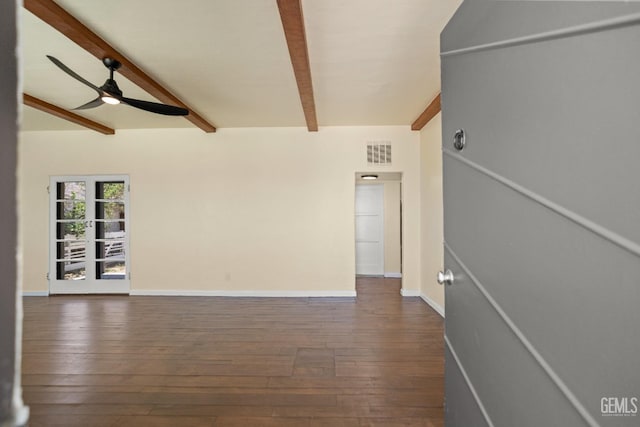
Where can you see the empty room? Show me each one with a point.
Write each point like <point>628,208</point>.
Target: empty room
<point>319,213</point>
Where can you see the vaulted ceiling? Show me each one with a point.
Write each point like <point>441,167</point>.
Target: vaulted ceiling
<point>371,62</point>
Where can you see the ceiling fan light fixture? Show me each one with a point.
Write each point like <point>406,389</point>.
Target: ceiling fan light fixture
<point>369,177</point>
<point>110,100</point>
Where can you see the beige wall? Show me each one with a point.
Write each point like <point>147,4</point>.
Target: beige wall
<point>431,222</point>
<point>256,210</point>
<point>392,260</point>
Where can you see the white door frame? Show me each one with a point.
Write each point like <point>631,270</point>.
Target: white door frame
<point>89,285</point>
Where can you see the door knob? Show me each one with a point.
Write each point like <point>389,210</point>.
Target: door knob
<point>445,278</point>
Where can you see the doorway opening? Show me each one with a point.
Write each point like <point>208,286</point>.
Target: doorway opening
<point>378,225</point>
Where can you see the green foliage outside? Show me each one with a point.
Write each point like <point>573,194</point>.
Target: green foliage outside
<point>113,191</point>
<point>112,210</point>
<point>77,212</point>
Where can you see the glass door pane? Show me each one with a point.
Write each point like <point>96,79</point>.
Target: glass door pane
<point>71,225</point>
<point>110,230</point>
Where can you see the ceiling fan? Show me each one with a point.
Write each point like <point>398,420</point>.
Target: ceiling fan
<point>110,93</point>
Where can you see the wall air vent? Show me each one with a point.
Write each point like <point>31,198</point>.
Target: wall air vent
<point>379,153</point>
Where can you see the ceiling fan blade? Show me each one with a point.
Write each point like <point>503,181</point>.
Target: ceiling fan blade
<point>91,104</point>
<point>73,73</point>
<point>154,107</point>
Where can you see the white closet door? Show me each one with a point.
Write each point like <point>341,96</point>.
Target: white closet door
<point>370,229</point>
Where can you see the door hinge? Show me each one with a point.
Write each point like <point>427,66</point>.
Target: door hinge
<point>48,190</point>
<point>129,187</point>
<point>129,276</point>
<point>47,276</point>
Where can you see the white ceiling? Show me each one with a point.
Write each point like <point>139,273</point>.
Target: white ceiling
<point>373,62</point>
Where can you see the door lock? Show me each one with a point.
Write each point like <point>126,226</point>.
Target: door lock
<point>459,140</point>
<point>445,278</point>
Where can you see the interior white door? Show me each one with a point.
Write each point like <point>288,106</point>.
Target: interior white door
<point>370,229</point>
<point>89,242</point>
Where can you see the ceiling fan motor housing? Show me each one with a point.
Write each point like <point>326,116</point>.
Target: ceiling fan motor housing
<point>111,87</point>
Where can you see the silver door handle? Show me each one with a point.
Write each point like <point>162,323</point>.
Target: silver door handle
<point>445,278</point>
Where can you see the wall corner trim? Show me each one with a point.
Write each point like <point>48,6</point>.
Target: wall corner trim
<point>431,303</point>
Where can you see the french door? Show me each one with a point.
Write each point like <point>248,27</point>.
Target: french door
<point>89,234</point>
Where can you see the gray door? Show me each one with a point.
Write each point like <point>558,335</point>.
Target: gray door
<point>542,214</point>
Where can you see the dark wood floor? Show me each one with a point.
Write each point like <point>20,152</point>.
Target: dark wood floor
<point>374,360</point>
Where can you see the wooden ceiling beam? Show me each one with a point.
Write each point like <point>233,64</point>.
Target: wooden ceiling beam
<point>427,115</point>
<point>54,15</point>
<point>41,105</point>
<point>293,24</point>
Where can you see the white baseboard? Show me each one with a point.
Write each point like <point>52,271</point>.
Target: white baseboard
<point>437,307</point>
<point>187,293</point>
<point>412,293</point>
<point>35,294</point>
<point>409,293</point>
<point>393,275</point>
<point>254,294</point>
